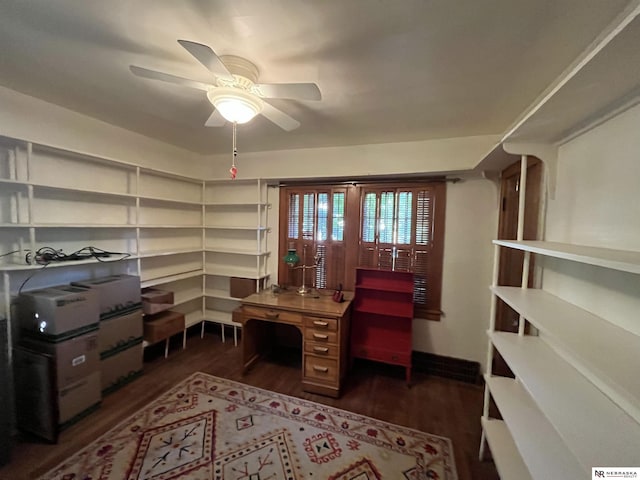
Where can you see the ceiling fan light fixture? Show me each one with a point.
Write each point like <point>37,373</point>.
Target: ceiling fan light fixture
<point>236,106</point>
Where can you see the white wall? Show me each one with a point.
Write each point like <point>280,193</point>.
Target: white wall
<point>34,120</point>
<point>471,224</point>
<point>407,158</point>
<point>597,203</point>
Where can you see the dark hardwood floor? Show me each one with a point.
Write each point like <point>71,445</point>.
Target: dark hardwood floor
<point>436,405</point>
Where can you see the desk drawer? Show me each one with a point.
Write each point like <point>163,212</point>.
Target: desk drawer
<point>319,323</point>
<point>318,368</point>
<point>320,336</point>
<point>321,349</point>
<point>280,316</point>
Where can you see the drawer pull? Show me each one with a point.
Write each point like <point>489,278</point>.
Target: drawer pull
<point>321,349</point>
<point>272,315</point>
<point>320,323</point>
<point>319,336</point>
<point>321,369</point>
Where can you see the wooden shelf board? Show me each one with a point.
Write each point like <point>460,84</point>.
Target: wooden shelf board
<point>623,260</point>
<point>90,261</point>
<point>504,451</point>
<point>16,183</point>
<point>542,450</point>
<point>578,410</point>
<point>386,287</point>
<point>225,271</point>
<point>198,227</point>
<point>236,227</point>
<point>236,251</point>
<point>150,199</point>
<point>85,191</point>
<point>163,253</point>
<point>187,299</point>
<point>236,205</point>
<point>82,225</point>
<point>381,306</point>
<point>604,353</point>
<point>170,278</point>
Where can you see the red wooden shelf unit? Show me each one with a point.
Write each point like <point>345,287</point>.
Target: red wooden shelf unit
<point>382,317</point>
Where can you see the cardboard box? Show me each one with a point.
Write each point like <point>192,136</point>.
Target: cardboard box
<point>79,399</point>
<point>163,325</point>
<point>74,358</point>
<point>58,312</point>
<point>43,410</point>
<point>243,287</point>
<point>117,294</point>
<point>121,368</point>
<point>119,333</point>
<point>155,301</point>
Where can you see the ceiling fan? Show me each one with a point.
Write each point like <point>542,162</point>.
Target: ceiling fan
<point>234,92</point>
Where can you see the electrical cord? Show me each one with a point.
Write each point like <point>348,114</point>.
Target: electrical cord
<point>47,255</point>
<point>30,277</point>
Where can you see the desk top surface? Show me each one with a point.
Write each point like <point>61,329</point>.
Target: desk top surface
<point>289,300</point>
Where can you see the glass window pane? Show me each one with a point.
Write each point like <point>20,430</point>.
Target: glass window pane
<point>337,223</point>
<point>385,222</point>
<point>404,218</point>
<point>369,217</point>
<point>308,216</point>
<point>294,212</point>
<point>323,215</point>
<point>423,218</point>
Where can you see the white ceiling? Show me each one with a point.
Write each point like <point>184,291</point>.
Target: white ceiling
<point>388,70</point>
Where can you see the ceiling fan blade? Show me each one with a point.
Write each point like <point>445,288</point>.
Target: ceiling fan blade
<point>293,91</point>
<point>166,77</point>
<point>215,120</point>
<point>280,118</point>
<point>207,57</point>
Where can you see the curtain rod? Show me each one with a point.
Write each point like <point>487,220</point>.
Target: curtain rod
<point>358,182</point>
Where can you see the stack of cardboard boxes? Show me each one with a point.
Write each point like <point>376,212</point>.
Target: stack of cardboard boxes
<point>57,369</point>
<point>76,342</point>
<point>120,333</point>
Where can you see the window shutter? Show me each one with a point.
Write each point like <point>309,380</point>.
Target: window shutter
<point>392,226</point>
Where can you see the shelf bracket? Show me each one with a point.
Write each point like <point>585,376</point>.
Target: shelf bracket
<point>545,152</point>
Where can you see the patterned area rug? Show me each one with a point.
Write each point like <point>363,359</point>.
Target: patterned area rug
<point>208,428</point>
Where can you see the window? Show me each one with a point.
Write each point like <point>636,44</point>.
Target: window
<point>402,228</point>
<point>315,226</point>
<point>386,226</point>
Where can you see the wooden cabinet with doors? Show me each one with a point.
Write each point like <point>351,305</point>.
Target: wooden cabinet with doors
<point>382,317</point>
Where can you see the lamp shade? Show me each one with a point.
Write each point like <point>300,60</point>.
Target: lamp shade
<point>291,258</point>
<point>235,105</point>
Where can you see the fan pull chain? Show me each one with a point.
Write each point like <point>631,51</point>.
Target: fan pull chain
<point>234,170</point>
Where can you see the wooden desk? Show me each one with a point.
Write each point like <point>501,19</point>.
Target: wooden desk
<point>324,325</point>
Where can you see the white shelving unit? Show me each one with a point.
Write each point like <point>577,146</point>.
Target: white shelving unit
<point>69,200</point>
<point>576,382</point>
<point>575,401</point>
<point>235,225</point>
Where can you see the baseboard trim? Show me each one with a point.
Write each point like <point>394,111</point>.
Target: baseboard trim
<point>448,367</point>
